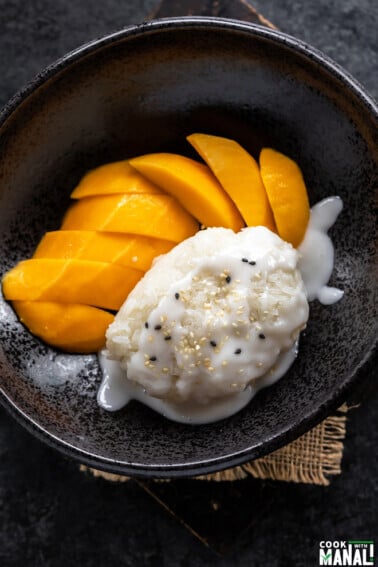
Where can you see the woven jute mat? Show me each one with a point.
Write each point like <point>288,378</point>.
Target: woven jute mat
<point>312,458</point>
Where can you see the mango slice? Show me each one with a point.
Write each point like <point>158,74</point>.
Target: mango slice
<point>68,326</point>
<point>158,216</point>
<point>70,281</point>
<point>239,175</point>
<point>193,185</point>
<point>287,194</point>
<point>113,178</point>
<point>117,248</point>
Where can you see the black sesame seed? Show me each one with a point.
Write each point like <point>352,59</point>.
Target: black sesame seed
<point>238,351</point>
<point>153,358</point>
<point>245,260</point>
<point>177,295</point>
<point>168,338</point>
<point>228,279</point>
<point>213,343</point>
<point>157,327</point>
<point>146,325</point>
<point>252,263</point>
<point>261,336</point>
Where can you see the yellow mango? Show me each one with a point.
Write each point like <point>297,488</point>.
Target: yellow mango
<point>239,175</point>
<point>193,185</point>
<point>112,178</point>
<point>117,248</point>
<point>287,194</point>
<point>68,326</point>
<point>70,281</point>
<point>158,216</point>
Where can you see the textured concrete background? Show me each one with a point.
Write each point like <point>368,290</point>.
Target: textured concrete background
<point>52,515</point>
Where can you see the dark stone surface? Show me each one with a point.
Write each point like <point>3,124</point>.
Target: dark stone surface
<point>50,513</point>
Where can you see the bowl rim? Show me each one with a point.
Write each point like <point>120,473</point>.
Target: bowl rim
<point>314,416</point>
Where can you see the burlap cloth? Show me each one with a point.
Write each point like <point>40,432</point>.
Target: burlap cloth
<point>310,459</point>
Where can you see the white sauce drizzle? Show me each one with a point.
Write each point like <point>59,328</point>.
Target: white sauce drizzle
<point>317,253</point>
<point>316,265</point>
<point>116,391</point>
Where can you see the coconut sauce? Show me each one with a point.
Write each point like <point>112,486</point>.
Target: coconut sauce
<point>316,264</point>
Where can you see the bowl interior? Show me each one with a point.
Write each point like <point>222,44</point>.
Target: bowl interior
<point>144,90</point>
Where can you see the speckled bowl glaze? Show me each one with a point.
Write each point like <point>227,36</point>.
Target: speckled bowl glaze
<point>143,90</point>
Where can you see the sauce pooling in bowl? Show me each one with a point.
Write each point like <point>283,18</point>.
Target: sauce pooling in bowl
<point>316,258</point>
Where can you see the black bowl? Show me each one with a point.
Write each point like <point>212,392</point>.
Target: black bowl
<point>143,90</point>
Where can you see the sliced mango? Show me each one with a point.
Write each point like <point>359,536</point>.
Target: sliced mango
<point>239,175</point>
<point>117,248</point>
<point>70,281</point>
<point>68,326</point>
<point>193,185</point>
<point>287,194</point>
<point>112,178</point>
<point>158,216</point>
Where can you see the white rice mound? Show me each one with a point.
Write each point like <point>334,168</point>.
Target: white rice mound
<point>211,315</point>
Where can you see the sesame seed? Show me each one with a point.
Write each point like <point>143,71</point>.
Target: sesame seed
<point>245,260</point>
<point>238,351</point>
<point>213,343</point>
<point>157,327</point>
<point>146,325</point>
<point>167,338</point>
<point>177,295</point>
<point>252,263</point>
<point>228,279</point>
<point>261,336</point>
<point>153,358</point>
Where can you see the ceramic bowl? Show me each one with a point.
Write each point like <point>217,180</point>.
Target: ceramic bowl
<point>143,90</point>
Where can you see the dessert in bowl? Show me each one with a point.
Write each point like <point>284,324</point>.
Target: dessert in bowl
<point>143,90</point>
